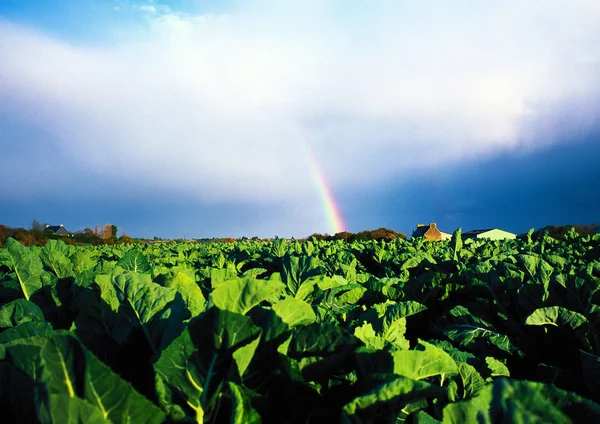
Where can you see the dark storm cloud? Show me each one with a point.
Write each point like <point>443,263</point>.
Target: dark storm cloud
<point>555,186</point>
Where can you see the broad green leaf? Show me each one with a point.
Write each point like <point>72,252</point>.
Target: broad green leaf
<point>389,397</point>
<point>61,363</point>
<point>69,370</point>
<point>108,293</point>
<point>26,329</point>
<point>24,353</point>
<point>243,294</point>
<point>64,409</point>
<point>297,269</point>
<point>254,272</point>
<point>135,261</point>
<point>351,293</point>
<point>18,312</point>
<point>527,401</point>
<point>153,307</point>
<point>538,269</point>
<point>406,308</point>
<point>183,280</point>
<point>457,242</point>
<point>54,256</point>
<point>367,335</point>
<point>243,356</point>
<point>220,275</point>
<point>294,312</point>
<point>497,368</point>
<point>427,362</point>
<point>394,329</point>
<point>472,382</point>
<point>320,340</point>
<point>474,333</point>
<point>473,410</point>
<point>556,316</point>
<point>26,265</point>
<point>193,370</point>
<point>325,283</point>
<point>242,411</point>
<point>394,322</point>
<point>83,260</point>
<point>306,289</point>
<point>421,417</point>
<point>456,354</point>
<point>508,400</point>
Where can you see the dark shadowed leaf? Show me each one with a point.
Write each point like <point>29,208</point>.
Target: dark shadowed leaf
<point>193,371</point>
<point>513,401</point>
<point>69,370</point>
<point>590,368</point>
<point>157,310</point>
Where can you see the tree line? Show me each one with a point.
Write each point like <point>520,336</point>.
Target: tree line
<point>38,234</point>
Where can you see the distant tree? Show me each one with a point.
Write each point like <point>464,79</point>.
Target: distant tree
<point>88,232</point>
<point>125,239</point>
<point>37,225</point>
<point>114,230</point>
<point>559,232</point>
<point>5,232</point>
<point>106,232</point>
<point>24,237</point>
<point>344,235</point>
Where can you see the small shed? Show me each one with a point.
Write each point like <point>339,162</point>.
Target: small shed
<point>430,232</point>
<point>490,234</point>
<point>58,230</point>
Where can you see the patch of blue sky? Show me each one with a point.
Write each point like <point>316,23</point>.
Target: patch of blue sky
<point>86,21</point>
<point>98,21</point>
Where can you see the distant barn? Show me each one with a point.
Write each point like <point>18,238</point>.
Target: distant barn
<point>430,232</point>
<point>490,234</point>
<point>58,230</point>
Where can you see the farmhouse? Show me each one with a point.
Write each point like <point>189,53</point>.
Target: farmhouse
<point>430,232</point>
<point>58,230</point>
<point>490,234</point>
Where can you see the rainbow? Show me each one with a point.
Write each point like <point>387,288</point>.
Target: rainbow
<point>332,211</point>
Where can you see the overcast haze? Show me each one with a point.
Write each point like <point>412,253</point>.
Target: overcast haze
<point>200,118</point>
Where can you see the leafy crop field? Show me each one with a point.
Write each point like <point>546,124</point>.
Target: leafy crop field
<point>302,332</point>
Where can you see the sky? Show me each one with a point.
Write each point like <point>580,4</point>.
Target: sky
<point>233,118</point>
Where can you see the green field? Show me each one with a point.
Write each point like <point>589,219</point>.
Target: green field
<point>302,331</point>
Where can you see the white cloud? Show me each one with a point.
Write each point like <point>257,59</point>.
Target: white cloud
<point>221,106</point>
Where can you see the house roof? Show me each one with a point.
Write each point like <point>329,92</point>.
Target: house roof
<point>57,229</point>
<point>420,231</point>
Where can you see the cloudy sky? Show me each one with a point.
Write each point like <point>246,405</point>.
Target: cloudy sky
<point>228,118</point>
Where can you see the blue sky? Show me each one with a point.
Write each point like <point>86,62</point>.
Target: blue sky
<point>199,118</point>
